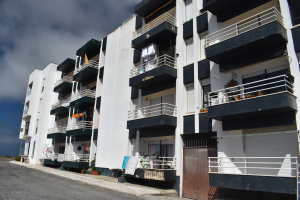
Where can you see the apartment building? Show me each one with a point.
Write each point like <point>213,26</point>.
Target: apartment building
<point>200,96</point>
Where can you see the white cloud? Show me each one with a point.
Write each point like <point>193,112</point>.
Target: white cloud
<point>36,32</point>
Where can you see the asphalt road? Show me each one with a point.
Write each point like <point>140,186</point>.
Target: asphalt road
<point>18,182</point>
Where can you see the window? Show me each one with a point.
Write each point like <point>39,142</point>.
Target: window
<point>43,85</point>
<point>27,128</point>
<point>189,51</point>
<point>33,149</point>
<point>29,89</point>
<point>37,125</point>
<point>202,46</point>
<point>40,105</point>
<point>205,89</point>
<point>188,10</point>
<point>190,98</point>
<point>294,11</point>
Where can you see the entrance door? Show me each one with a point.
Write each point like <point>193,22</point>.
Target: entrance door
<point>195,174</point>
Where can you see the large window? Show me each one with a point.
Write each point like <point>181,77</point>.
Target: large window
<point>188,10</point>
<point>189,51</point>
<point>205,89</point>
<point>190,98</point>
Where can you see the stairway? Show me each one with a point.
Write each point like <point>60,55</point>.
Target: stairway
<point>26,159</point>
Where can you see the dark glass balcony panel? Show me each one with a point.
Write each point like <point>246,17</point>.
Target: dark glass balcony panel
<point>146,7</point>
<point>84,102</point>
<point>63,88</point>
<point>67,66</point>
<point>152,122</point>
<point>87,75</point>
<point>60,111</point>
<point>91,49</point>
<point>189,124</point>
<point>188,30</point>
<point>52,162</point>
<point>296,38</point>
<point>76,165</point>
<point>202,23</point>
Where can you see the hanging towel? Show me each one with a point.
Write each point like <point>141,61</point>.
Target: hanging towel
<point>125,161</point>
<point>86,60</point>
<point>144,52</point>
<point>132,165</point>
<point>151,49</point>
<point>75,115</point>
<point>86,148</point>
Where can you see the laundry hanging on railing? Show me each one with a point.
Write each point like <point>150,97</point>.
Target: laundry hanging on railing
<point>149,52</point>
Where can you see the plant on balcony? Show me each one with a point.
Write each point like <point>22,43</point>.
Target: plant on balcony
<point>83,171</point>
<point>232,82</point>
<point>202,110</point>
<point>97,172</point>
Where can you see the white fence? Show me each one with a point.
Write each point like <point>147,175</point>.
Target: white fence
<point>162,60</point>
<point>80,125</point>
<point>253,22</point>
<point>270,166</point>
<point>251,90</point>
<point>151,111</point>
<point>157,162</point>
<point>67,79</point>
<point>166,17</point>
<point>92,64</point>
<point>83,93</point>
<point>58,129</point>
<point>77,157</point>
<point>63,103</point>
<point>51,156</point>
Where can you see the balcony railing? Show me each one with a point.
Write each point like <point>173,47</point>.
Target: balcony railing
<point>253,22</point>
<point>166,17</point>
<point>153,64</point>
<point>251,90</point>
<point>274,166</point>
<point>58,129</point>
<point>63,103</point>
<point>84,93</point>
<point>67,79</point>
<point>77,157</point>
<point>93,64</point>
<point>151,111</point>
<point>51,156</point>
<point>80,125</point>
<point>157,162</point>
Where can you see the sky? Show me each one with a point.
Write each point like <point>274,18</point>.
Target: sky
<point>34,33</point>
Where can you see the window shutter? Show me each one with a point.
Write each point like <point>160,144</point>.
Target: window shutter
<point>190,99</point>
<point>189,51</point>
<point>188,10</point>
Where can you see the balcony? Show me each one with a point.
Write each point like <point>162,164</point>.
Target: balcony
<point>155,168</point>
<point>81,128</point>
<point>255,39</point>
<point>67,66</point>
<point>154,121</point>
<point>146,7</point>
<point>26,113</point>
<point>227,9</point>
<point>264,103</point>
<point>57,133</point>
<point>64,85</point>
<point>76,161</point>
<point>153,72</point>
<point>83,99</point>
<point>267,174</point>
<point>60,109</point>
<point>52,159</point>
<point>158,30</point>
<point>91,49</point>
<point>87,73</point>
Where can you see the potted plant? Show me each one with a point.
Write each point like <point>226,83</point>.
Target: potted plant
<point>88,171</point>
<point>83,171</point>
<point>202,110</point>
<point>232,82</point>
<point>97,172</point>
<point>93,170</point>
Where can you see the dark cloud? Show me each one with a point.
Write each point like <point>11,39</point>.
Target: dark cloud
<point>36,32</point>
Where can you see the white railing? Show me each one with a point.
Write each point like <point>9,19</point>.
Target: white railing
<point>251,90</point>
<point>162,60</point>
<point>151,111</point>
<point>83,93</point>
<point>62,103</point>
<point>80,125</point>
<point>77,157</point>
<point>270,166</point>
<point>166,17</point>
<point>28,93</point>
<point>157,162</point>
<point>51,156</point>
<point>245,25</point>
<point>67,79</point>
<point>93,64</point>
<point>25,112</point>
<point>58,129</point>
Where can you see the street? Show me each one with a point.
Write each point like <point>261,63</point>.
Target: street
<point>19,182</point>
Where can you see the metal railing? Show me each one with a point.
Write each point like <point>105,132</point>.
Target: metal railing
<point>58,129</point>
<point>62,103</point>
<point>93,64</point>
<point>51,156</point>
<point>80,125</point>
<point>248,24</point>
<point>67,79</point>
<point>157,162</point>
<point>166,17</point>
<point>28,93</point>
<point>271,166</point>
<point>162,60</point>
<point>77,157</point>
<point>83,93</point>
<point>151,111</point>
<point>251,90</point>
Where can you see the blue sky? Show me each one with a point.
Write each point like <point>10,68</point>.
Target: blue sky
<point>36,32</point>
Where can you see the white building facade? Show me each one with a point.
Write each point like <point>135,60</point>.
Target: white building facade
<point>200,96</point>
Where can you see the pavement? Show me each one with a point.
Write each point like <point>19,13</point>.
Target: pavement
<point>27,181</point>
